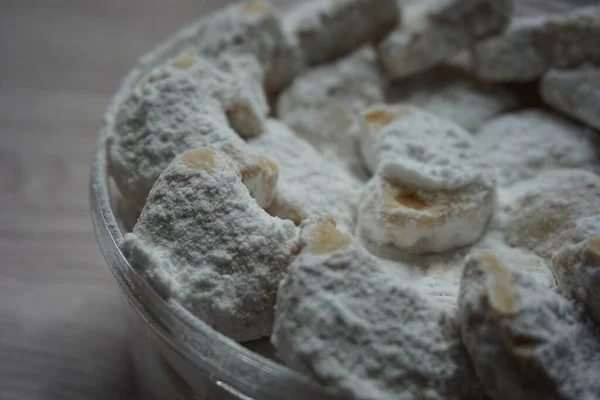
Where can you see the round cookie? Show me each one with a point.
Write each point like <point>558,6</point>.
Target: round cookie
<point>420,149</point>
<point>362,331</point>
<point>203,241</point>
<point>431,191</point>
<point>421,221</point>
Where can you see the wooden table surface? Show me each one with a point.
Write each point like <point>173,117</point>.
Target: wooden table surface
<point>62,332</point>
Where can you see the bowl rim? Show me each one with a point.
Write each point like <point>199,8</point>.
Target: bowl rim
<point>218,357</point>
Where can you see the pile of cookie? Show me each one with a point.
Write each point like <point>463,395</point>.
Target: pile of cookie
<point>293,176</point>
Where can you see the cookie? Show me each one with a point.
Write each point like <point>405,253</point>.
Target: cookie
<point>434,30</point>
<point>525,341</point>
<point>328,29</point>
<point>203,241</point>
<point>576,92</point>
<point>361,331</point>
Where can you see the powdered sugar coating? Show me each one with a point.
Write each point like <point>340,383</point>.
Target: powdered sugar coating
<point>252,27</point>
<point>575,92</point>
<point>203,241</point>
<point>434,30</point>
<point>323,104</point>
<point>420,149</point>
<point>525,341</point>
<point>521,145</point>
<point>309,185</point>
<point>577,270</point>
<point>545,216</point>
<point>327,29</point>
<point>421,221</point>
<point>344,320</point>
<point>531,45</point>
<point>453,94</point>
<point>183,104</point>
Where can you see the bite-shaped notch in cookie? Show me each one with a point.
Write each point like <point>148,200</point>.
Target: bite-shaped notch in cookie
<point>309,186</point>
<point>183,104</point>
<point>577,271</point>
<point>420,221</point>
<point>355,327</point>
<point>252,28</point>
<point>531,45</point>
<point>525,340</point>
<point>258,172</point>
<point>433,30</point>
<point>332,28</point>
<point>575,92</point>
<point>203,241</point>
<point>230,81</point>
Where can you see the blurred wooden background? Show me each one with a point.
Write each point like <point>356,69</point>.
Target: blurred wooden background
<point>62,335</point>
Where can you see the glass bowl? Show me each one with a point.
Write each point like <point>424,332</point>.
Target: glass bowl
<point>176,355</point>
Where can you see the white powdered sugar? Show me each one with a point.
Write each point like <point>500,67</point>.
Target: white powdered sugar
<point>253,28</point>
<point>420,149</point>
<point>181,105</point>
<point>309,185</point>
<point>544,216</point>
<point>453,94</point>
<point>346,228</point>
<point>323,105</point>
<point>521,145</point>
<point>363,332</point>
<point>423,221</point>
<point>203,241</point>
<point>575,92</point>
<point>525,341</point>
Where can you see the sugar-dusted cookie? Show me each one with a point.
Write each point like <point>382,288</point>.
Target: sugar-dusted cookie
<point>552,210</point>
<point>323,105</point>
<point>327,29</point>
<point>450,93</point>
<point>521,145</point>
<point>525,341</point>
<point>204,241</point>
<point>577,271</point>
<point>575,92</point>
<point>531,45</point>
<point>309,186</point>
<point>181,105</point>
<point>434,30</point>
<point>252,28</point>
<point>363,332</point>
